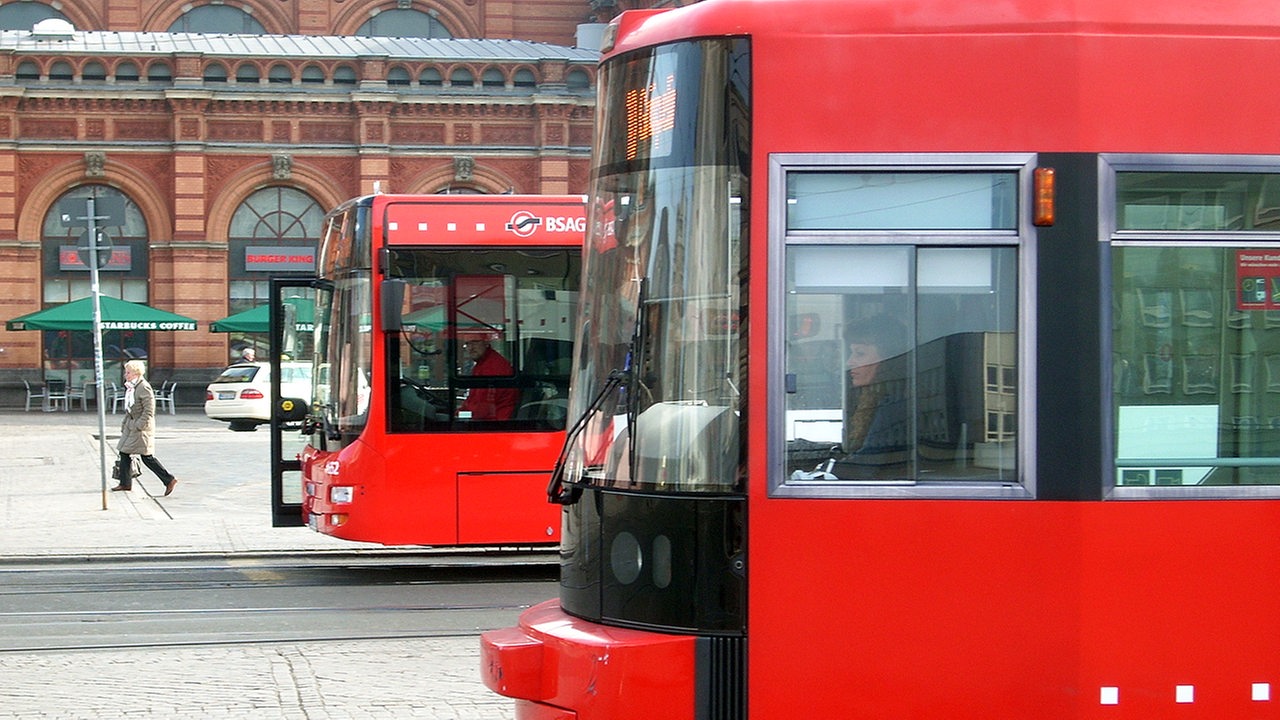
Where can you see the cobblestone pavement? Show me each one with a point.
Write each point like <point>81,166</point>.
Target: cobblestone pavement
<point>434,678</point>
<point>52,506</point>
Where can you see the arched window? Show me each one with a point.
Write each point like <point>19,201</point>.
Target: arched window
<point>217,19</point>
<point>578,79</point>
<point>398,76</point>
<point>312,75</point>
<point>280,74</point>
<point>28,70</point>
<point>462,78</point>
<point>94,71</point>
<point>403,22</point>
<point>524,78</point>
<point>67,277</point>
<point>344,75</point>
<point>431,78</point>
<point>61,71</point>
<point>247,74</point>
<point>159,72</point>
<point>24,15</point>
<point>273,232</point>
<point>493,78</point>
<point>273,217</point>
<point>215,73</point>
<point>127,72</point>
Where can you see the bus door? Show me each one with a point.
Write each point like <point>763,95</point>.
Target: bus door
<point>293,302</point>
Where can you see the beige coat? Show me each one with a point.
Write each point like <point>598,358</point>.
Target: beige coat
<point>138,429</point>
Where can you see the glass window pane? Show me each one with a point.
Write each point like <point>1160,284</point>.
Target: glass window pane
<point>904,372</point>
<point>1197,201</point>
<point>1196,365</point>
<point>403,22</point>
<point>344,75</point>
<point>479,347</point>
<point>902,201</point>
<point>312,75</point>
<point>277,213</point>
<point>24,15</point>
<point>159,72</point>
<point>398,76</point>
<point>217,18</point>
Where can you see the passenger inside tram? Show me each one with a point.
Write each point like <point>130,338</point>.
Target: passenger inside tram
<point>877,412</point>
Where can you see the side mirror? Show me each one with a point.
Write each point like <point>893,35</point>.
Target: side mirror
<point>291,409</point>
<point>391,302</point>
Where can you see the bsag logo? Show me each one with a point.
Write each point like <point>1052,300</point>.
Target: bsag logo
<point>525,223</point>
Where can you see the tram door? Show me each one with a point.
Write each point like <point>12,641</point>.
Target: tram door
<point>291,353</point>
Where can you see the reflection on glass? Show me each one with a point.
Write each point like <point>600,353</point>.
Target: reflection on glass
<point>904,371</point>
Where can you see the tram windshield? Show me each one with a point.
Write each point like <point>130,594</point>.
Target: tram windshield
<point>659,376</point>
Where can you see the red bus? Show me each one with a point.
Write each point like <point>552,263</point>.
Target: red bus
<point>945,380</point>
<point>442,342</point>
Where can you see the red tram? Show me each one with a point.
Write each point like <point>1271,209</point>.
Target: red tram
<point>442,348</point>
<point>930,369</point>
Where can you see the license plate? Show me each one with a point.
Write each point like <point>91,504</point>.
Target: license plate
<point>226,394</point>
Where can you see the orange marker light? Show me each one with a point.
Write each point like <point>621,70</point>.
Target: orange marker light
<point>1044,196</point>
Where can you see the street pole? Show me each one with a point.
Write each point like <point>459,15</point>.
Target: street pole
<point>98,373</point>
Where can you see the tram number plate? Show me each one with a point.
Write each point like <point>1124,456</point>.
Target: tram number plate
<point>226,394</point>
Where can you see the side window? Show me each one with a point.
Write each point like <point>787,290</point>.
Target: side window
<point>1195,340</point>
<point>899,361</point>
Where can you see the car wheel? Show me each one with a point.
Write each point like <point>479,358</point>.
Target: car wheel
<point>242,426</point>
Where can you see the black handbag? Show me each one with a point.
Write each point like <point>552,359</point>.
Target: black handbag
<point>135,471</point>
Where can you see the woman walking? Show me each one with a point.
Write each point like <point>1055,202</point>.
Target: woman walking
<point>138,430</point>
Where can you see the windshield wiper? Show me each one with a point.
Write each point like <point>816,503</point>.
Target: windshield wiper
<point>560,492</point>
<point>557,491</point>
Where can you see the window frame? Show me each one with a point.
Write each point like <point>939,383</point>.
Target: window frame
<point>1022,238</point>
<point>1109,166</point>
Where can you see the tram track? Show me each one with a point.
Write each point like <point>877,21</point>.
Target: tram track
<point>92,606</point>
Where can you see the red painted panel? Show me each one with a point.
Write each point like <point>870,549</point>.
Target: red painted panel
<point>498,508</point>
<point>597,672</point>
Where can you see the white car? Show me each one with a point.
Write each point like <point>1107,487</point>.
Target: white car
<point>241,395</point>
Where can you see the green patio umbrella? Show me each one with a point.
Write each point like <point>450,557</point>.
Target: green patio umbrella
<point>257,320</point>
<point>116,315</point>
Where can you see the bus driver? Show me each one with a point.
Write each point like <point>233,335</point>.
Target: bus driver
<point>488,403</point>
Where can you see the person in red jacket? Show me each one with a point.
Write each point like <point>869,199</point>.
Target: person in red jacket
<point>488,403</point>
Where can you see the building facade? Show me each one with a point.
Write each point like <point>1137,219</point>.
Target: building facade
<point>222,131</point>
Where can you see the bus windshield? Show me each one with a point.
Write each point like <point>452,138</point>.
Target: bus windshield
<point>343,351</point>
<point>485,338</point>
<point>659,375</point>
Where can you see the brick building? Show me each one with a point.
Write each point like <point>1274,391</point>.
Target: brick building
<point>226,128</point>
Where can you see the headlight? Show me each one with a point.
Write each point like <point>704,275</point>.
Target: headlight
<point>341,494</point>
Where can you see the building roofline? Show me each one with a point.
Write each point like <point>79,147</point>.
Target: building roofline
<point>140,44</point>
